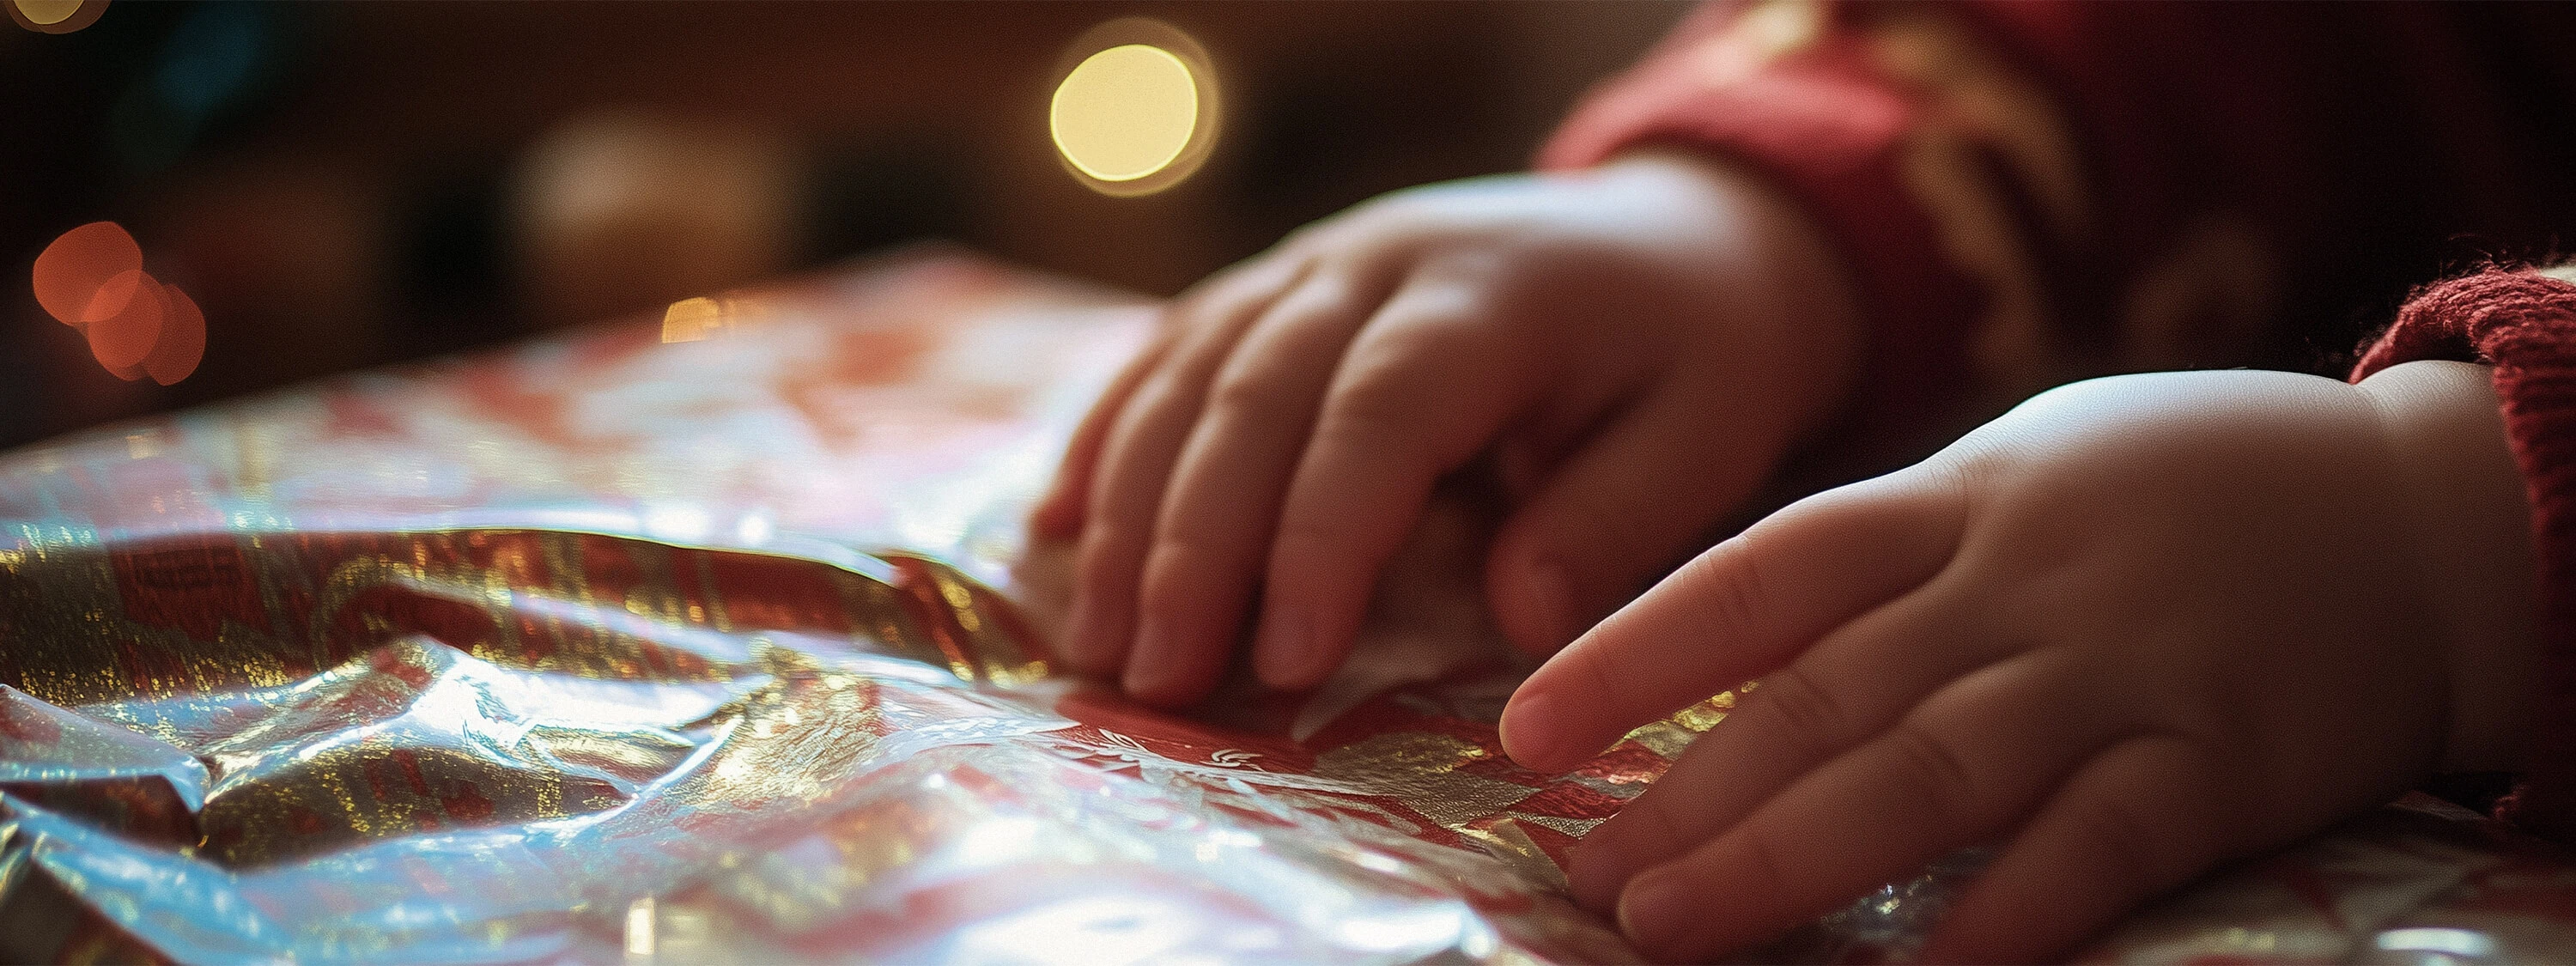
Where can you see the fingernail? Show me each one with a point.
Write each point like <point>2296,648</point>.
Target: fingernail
<point>1595,872</point>
<point>1088,640</point>
<point>1079,634</point>
<point>1050,521</point>
<point>1147,662</point>
<point>1655,911</point>
<point>1286,649</point>
<point>1526,729</point>
<point>1549,594</point>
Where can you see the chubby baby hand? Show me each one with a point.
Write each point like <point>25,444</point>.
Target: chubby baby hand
<point>1636,344</point>
<point>2134,628</point>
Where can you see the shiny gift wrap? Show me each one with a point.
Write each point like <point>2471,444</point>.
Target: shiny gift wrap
<point>476,743</point>
<point>596,649</point>
<point>718,640</point>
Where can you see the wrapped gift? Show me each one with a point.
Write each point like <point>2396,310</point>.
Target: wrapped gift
<point>716,637</point>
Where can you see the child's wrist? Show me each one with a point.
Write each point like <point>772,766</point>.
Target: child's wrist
<point>2467,517</point>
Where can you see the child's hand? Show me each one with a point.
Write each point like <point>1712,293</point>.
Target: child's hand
<point>2134,628</point>
<point>1638,343</point>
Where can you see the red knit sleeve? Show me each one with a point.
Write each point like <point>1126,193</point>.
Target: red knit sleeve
<point>2524,324</point>
<point>2034,192</point>
<point>1789,90</point>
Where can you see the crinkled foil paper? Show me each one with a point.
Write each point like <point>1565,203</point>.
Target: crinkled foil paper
<point>729,648</point>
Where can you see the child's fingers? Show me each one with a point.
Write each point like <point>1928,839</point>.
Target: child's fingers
<point>1735,613</point>
<point>1136,460</point>
<point>1428,383</point>
<point>1964,766</point>
<point>1058,514</point>
<point>2140,818</point>
<point>1222,505</point>
<point>1845,691</point>
<point>1628,505</point>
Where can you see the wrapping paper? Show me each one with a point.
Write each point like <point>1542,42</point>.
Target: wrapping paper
<point>715,638</point>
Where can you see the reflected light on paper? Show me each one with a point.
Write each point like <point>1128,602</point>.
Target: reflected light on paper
<point>1136,114</point>
<point>997,841</point>
<point>1091,929</point>
<point>639,928</point>
<point>2440,944</point>
<point>1409,934</point>
<point>55,16</point>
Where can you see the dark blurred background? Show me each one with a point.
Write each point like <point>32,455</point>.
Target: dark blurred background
<point>346,185</point>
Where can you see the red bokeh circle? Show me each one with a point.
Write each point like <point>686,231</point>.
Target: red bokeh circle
<point>76,270</point>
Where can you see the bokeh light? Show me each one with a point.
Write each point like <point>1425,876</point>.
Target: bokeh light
<point>56,16</point>
<point>47,13</point>
<point>702,318</point>
<point>1136,112</point>
<point>1125,112</point>
<point>113,295</point>
<point>183,339</point>
<point>617,210</point>
<point>87,274</point>
<point>92,279</point>
<point>691,320</point>
<point>121,341</point>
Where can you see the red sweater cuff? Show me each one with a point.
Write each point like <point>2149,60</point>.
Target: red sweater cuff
<point>2524,324</point>
<point>1823,124</point>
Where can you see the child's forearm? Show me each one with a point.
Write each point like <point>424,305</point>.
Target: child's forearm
<point>2468,515</point>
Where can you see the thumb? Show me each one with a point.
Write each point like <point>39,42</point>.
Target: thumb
<point>1631,503</point>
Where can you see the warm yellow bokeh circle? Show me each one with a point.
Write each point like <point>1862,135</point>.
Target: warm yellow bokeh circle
<point>1125,113</point>
<point>49,12</point>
